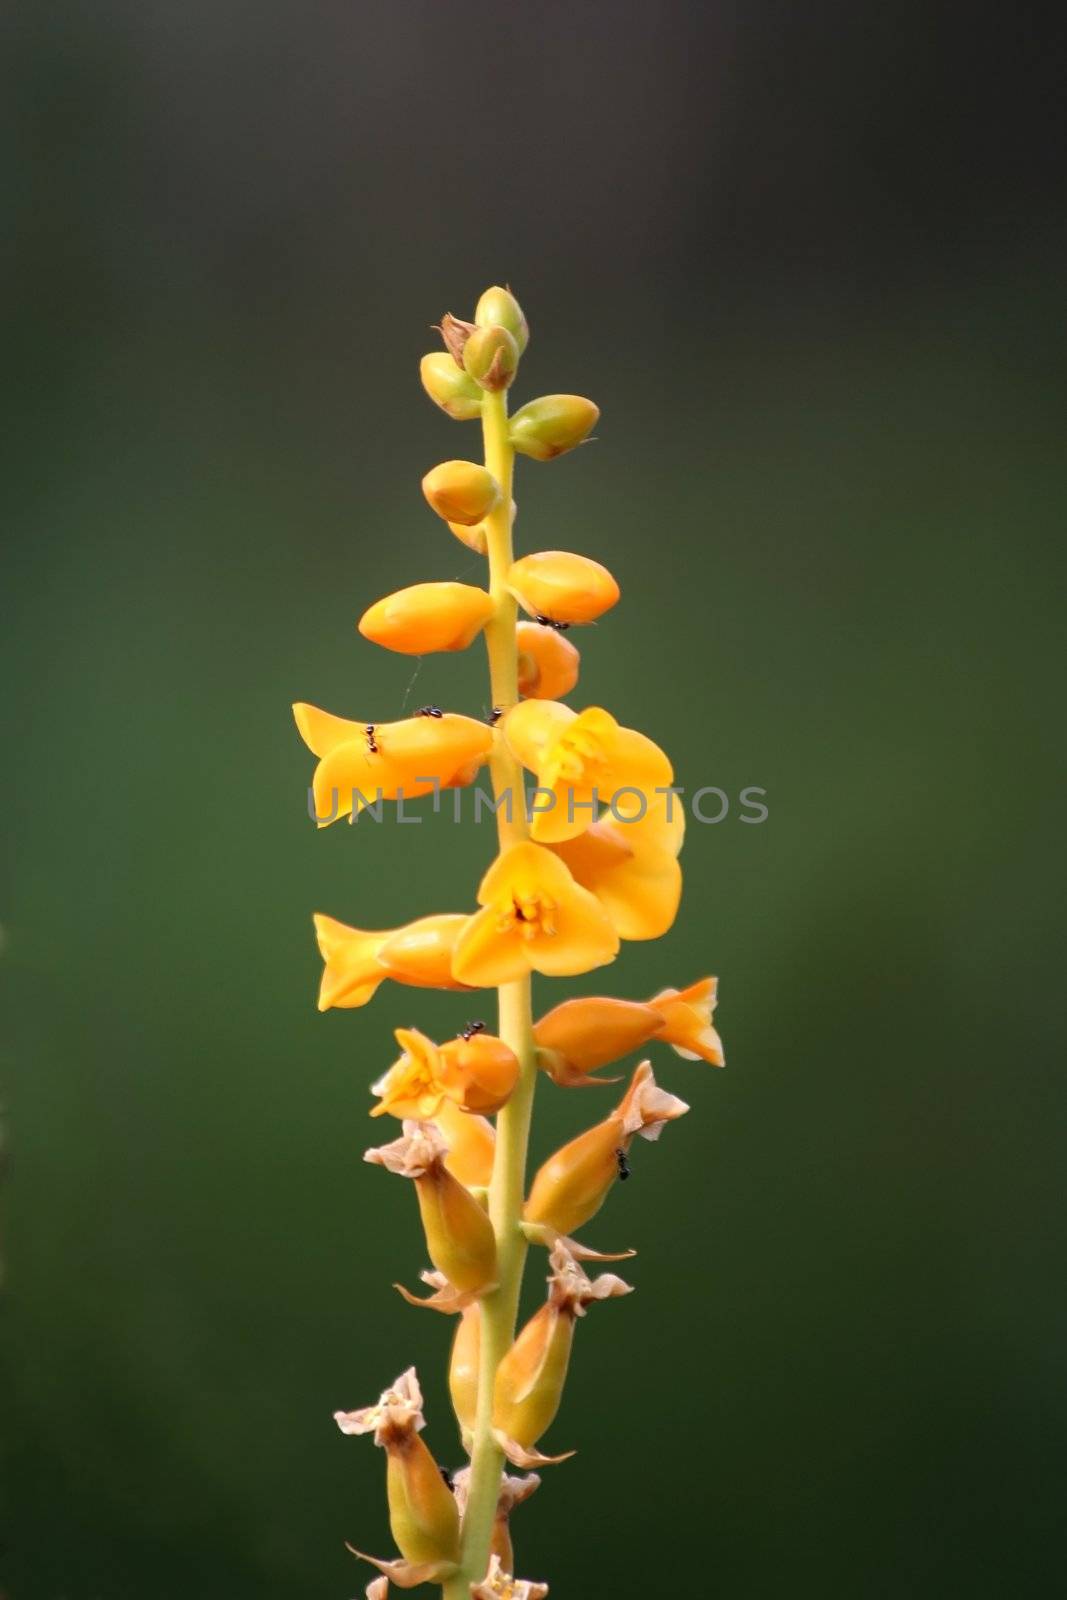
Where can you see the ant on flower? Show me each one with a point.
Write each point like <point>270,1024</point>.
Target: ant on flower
<point>429,711</point>
<point>547,622</point>
<point>494,716</point>
<point>623,1165</point>
<point>372,745</point>
<point>469,1029</point>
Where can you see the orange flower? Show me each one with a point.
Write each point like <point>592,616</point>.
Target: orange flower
<point>548,663</point>
<point>580,757</point>
<point>687,1026</point>
<point>573,1184</point>
<point>408,758</point>
<point>578,1036</point>
<point>357,961</point>
<point>562,586</point>
<point>427,617</point>
<point>459,1236</point>
<point>471,1144</point>
<point>477,1074</point>
<point>535,918</point>
<point>631,866</point>
<point>461,491</point>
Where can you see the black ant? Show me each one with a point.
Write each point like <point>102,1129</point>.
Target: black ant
<point>448,1475</point>
<point>623,1164</point>
<point>371,743</point>
<point>547,622</point>
<point>429,711</point>
<point>470,1029</point>
<point>494,716</point>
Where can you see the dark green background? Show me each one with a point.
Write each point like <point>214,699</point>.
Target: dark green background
<point>808,259</point>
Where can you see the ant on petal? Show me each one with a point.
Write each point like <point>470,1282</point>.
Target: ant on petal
<point>372,745</point>
<point>429,711</point>
<point>469,1029</point>
<point>623,1165</point>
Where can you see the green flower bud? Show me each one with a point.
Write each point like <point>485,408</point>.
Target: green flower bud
<point>552,425</point>
<point>450,388</point>
<point>491,357</point>
<point>499,307</point>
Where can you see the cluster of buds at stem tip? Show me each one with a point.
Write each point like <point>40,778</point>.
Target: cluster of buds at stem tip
<point>590,860</point>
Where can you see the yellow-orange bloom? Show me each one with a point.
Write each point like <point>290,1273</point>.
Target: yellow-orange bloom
<point>471,1143</point>
<point>581,758</point>
<point>413,1087</point>
<point>548,663</point>
<point>459,1236</point>
<point>461,491</point>
<point>357,960</point>
<point>423,1515</point>
<point>360,762</point>
<point>575,1038</point>
<point>573,1184</point>
<point>426,617</point>
<point>687,1025</point>
<point>562,586</point>
<point>476,1074</point>
<point>535,918</point>
<point>631,866</point>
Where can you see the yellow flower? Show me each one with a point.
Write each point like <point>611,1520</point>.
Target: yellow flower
<point>535,918</point>
<point>580,1035</point>
<point>581,758</point>
<point>426,617</point>
<point>476,1074</point>
<point>359,760</point>
<point>687,1015</point>
<point>548,663</point>
<point>562,586</point>
<point>631,866</point>
<point>418,954</point>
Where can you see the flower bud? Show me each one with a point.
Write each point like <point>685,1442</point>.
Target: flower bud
<point>461,491</point>
<point>423,1515</point>
<point>459,1235</point>
<point>475,537</point>
<point>426,617</point>
<point>573,1184</point>
<point>530,1378</point>
<point>500,306</point>
<point>548,663</point>
<point>479,1073</point>
<point>562,587</point>
<point>449,387</point>
<point>552,425</point>
<point>491,358</point>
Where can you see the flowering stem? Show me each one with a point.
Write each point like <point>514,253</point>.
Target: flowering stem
<point>499,1309</point>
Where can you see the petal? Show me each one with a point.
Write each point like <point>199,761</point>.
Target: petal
<point>352,970</point>
<point>323,732</point>
<point>532,725</point>
<point>485,955</point>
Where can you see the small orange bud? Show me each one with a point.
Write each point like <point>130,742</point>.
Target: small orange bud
<point>562,586</point>
<point>581,1035</point>
<point>573,1184</point>
<point>479,1073</point>
<point>427,617</point>
<point>501,307</point>
<point>449,387</point>
<point>552,425</point>
<point>459,1235</point>
<point>423,1515</point>
<point>491,358</point>
<point>461,491</point>
<point>530,1378</point>
<point>548,663</point>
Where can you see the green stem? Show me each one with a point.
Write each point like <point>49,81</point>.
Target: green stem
<point>506,1190</point>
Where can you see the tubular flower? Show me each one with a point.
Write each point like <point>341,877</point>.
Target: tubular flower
<point>478,1074</point>
<point>552,425</point>
<point>534,918</point>
<point>530,1379</point>
<point>357,961</point>
<point>513,1491</point>
<point>573,1184</point>
<point>580,758</point>
<point>548,663</point>
<point>471,1144</point>
<point>631,866</point>
<point>360,762</point>
<point>461,491</point>
<point>459,1235</point>
<point>426,617</point>
<point>580,1035</point>
<point>687,1026</point>
<point>422,1511</point>
<point>563,587</point>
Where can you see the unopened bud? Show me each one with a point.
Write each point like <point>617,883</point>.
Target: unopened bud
<point>459,1236</point>
<point>548,663</point>
<point>500,306</point>
<point>552,425</point>
<point>561,586</point>
<point>491,357</point>
<point>427,617</point>
<point>461,491</point>
<point>449,387</point>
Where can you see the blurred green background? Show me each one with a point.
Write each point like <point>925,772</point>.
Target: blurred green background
<point>809,262</point>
